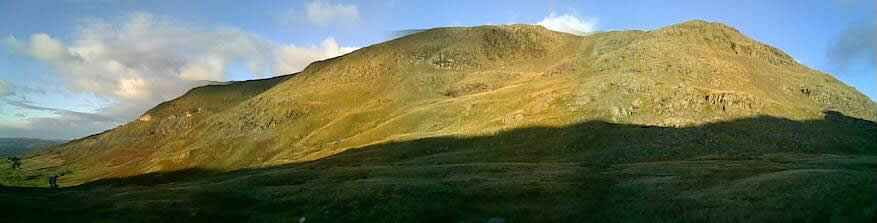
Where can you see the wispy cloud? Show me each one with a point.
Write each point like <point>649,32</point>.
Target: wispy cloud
<point>856,44</point>
<point>568,24</point>
<point>60,123</point>
<point>5,89</point>
<point>64,112</point>
<point>325,13</point>
<point>67,126</point>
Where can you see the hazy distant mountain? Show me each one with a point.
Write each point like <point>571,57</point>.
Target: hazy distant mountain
<point>516,120</point>
<point>20,146</point>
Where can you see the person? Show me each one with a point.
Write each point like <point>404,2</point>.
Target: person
<point>53,182</point>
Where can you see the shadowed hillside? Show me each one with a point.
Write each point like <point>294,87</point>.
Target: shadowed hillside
<point>762,169</point>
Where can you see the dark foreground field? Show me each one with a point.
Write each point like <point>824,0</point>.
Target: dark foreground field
<point>761,169</point>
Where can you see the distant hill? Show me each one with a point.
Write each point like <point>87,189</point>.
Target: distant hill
<point>20,146</point>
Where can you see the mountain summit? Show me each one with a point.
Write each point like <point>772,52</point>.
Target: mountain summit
<point>471,81</point>
<point>691,122</point>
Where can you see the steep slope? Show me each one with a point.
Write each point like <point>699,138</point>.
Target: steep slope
<point>129,145</point>
<point>468,82</point>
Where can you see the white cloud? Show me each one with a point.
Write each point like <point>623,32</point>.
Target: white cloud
<point>293,58</point>
<point>44,47</point>
<point>569,24</point>
<point>324,13</point>
<point>144,57</point>
<point>141,60</point>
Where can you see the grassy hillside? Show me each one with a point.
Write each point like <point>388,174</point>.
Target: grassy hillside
<point>692,122</point>
<point>465,81</point>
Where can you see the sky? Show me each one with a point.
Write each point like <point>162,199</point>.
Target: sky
<point>72,68</point>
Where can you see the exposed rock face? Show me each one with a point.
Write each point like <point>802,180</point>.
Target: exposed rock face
<point>261,114</point>
<point>853,103</point>
<point>469,81</point>
<point>731,102</point>
<point>468,88</point>
<point>454,60</point>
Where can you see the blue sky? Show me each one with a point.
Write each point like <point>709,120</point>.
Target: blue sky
<point>70,68</point>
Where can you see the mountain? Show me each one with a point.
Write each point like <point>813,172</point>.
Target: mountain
<point>515,120</point>
<point>21,146</point>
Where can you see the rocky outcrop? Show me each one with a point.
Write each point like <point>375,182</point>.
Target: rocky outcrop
<point>261,114</point>
<point>848,102</point>
<point>145,118</point>
<point>467,89</point>
<point>732,102</point>
<point>454,60</point>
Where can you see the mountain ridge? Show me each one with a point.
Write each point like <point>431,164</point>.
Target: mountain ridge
<point>22,146</point>
<point>464,81</point>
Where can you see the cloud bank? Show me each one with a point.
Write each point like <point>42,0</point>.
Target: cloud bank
<point>568,24</point>
<point>141,60</point>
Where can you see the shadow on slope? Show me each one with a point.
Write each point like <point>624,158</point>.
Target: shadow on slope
<point>757,169</point>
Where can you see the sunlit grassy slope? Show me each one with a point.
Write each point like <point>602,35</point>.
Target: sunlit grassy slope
<point>693,121</point>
